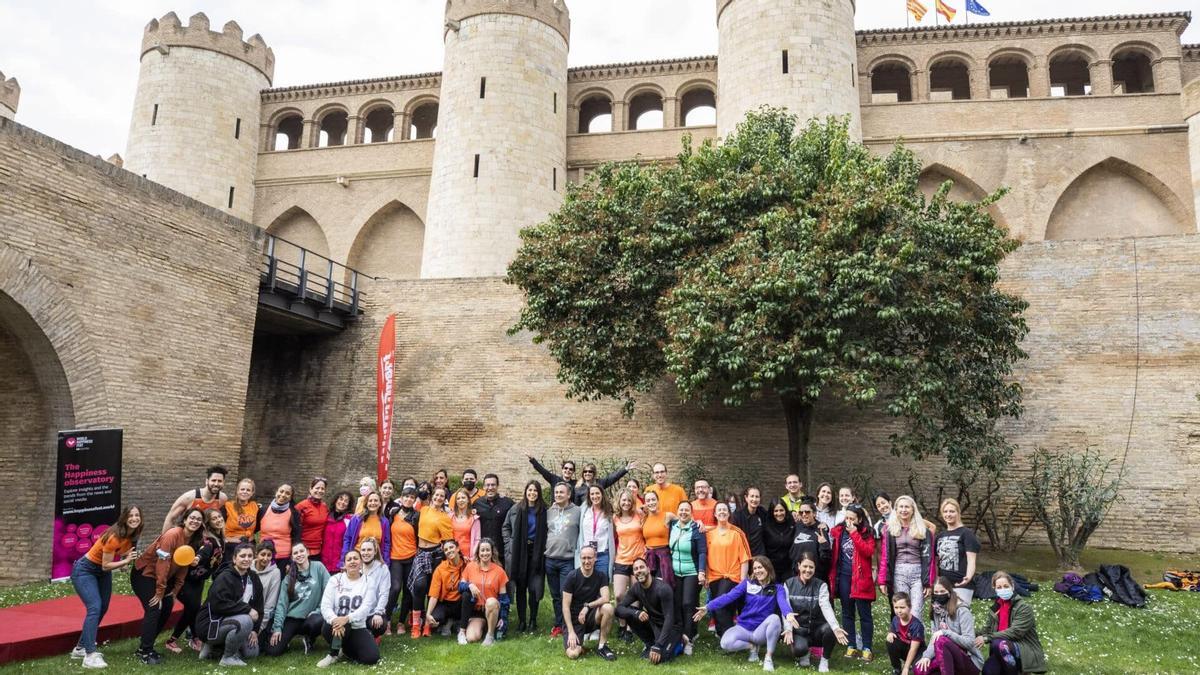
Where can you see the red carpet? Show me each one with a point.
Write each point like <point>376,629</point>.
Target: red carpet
<point>52,626</point>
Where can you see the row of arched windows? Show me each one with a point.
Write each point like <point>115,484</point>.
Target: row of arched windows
<point>646,107</point>
<point>1071,70</point>
<point>376,122</point>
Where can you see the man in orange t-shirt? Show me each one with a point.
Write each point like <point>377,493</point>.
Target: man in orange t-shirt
<point>703,505</point>
<point>670,495</point>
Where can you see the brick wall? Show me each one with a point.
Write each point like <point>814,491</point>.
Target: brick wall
<point>141,300</point>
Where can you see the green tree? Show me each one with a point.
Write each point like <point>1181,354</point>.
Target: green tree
<point>777,263</point>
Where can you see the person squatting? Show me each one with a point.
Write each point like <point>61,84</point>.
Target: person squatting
<point>341,573</point>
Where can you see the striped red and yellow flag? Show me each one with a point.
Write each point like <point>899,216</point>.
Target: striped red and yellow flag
<point>946,11</point>
<point>917,10</point>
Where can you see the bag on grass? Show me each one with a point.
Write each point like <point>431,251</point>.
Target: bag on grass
<point>1074,586</point>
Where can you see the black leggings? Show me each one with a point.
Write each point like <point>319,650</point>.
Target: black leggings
<point>723,617</point>
<point>687,594</point>
<point>420,587</point>
<point>309,627</point>
<point>357,644</point>
<point>155,618</point>
<point>189,596</point>
<point>533,586</point>
<point>399,570</point>
<point>804,640</point>
<point>898,651</point>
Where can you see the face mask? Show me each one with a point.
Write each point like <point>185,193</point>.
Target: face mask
<point>941,600</point>
<point>364,490</point>
<point>469,484</point>
<point>1004,593</point>
<point>423,495</point>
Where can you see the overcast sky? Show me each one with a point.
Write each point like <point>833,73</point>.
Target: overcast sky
<point>77,62</point>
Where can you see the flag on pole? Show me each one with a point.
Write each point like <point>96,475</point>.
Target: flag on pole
<point>974,7</point>
<point>383,397</point>
<point>946,11</point>
<point>917,10</point>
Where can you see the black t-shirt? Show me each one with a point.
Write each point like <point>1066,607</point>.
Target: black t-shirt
<point>952,548</point>
<point>584,589</point>
<point>752,523</point>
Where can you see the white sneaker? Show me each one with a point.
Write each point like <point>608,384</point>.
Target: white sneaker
<point>78,652</point>
<point>232,661</point>
<point>804,661</point>
<point>94,660</point>
<point>768,665</point>
<point>462,637</point>
<point>823,667</point>
<point>753,655</point>
<point>488,641</point>
<point>329,660</point>
<point>594,636</point>
<point>687,648</point>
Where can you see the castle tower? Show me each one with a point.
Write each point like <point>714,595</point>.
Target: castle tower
<point>798,54</point>
<point>10,95</point>
<point>1191,112</point>
<point>195,115</point>
<point>499,163</point>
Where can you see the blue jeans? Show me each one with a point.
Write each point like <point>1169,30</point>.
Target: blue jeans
<point>557,570</point>
<point>849,607</point>
<point>602,564</point>
<point>94,587</point>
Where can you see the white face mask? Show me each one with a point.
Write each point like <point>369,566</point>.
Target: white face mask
<point>1004,593</point>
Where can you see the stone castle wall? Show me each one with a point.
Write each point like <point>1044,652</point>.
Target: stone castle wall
<point>1106,317</point>
<point>124,304</point>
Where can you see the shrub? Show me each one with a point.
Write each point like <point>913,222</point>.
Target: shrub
<point>1070,494</point>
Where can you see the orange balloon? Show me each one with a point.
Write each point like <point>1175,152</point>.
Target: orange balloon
<point>184,555</point>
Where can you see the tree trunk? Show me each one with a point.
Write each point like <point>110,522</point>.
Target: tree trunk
<point>799,424</point>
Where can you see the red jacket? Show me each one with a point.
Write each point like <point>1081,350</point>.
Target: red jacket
<point>861,584</point>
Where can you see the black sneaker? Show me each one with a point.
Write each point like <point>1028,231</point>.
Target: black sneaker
<point>307,642</point>
<point>646,653</point>
<point>150,658</point>
<point>626,635</point>
<point>606,653</point>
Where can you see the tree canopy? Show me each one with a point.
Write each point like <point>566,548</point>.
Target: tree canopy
<point>788,263</point>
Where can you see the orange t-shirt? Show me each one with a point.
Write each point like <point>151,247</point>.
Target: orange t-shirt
<point>491,583</point>
<point>444,584</point>
<point>435,526</point>
<point>462,534</point>
<point>704,511</point>
<point>239,526</point>
<point>669,497</point>
<point>631,545</point>
<point>114,545</point>
<point>655,530</point>
<point>372,526</point>
<point>726,552</point>
<point>404,539</point>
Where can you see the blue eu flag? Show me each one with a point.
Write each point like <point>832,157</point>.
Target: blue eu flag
<point>976,8</point>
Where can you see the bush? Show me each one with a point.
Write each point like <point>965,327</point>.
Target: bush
<point>1070,494</point>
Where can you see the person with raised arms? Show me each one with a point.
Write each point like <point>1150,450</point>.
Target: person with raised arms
<point>92,578</point>
<point>345,609</point>
<point>579,488</point>
<point>649,609</point>
<point>203,498</point>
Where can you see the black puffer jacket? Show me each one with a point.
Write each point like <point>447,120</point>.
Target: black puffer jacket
<point>1118,584</point>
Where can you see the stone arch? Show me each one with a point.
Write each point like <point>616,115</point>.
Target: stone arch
<point>389,244</point>
<point>964,189</point>
<point>1135,67</point>
<point>378,120</point>
<point>1114,198</point>
<point>422,115</point>
<point>296,226</point>
<point>1069,69</point>
<point>695,98</point>
<point>891,77</point>
<point>288,123</point>
<point>333,125</point>
<point>949,76</point>
<point>950,55</point>
<point>593,104</point>
<point>1009,71</point>
<point>642,100</point>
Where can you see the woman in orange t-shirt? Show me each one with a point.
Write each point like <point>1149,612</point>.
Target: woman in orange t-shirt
<point>488,584</point>
<point>631,545</point>
<point>241,517</point>
<point>464,524</point>
<point>92,578</point>
<point>433,528</point>
<point>657,536</point>
<point>404,549</point>
<point>728,560</point>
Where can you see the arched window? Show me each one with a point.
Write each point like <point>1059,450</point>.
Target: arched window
<point>379,125</point>
<point>698,107</point>
<point>1132,72</point>
<point>595,114</point>
<point>1069,74</point>
<point>424,121</point>
<point>333,129</point>
<point>949,80</point>
<point>288,132</point>
<point>1008,77</point>
<point>646,111</point>
<point>891,82</point>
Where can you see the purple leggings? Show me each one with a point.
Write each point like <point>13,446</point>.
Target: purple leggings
<point>948,659</point>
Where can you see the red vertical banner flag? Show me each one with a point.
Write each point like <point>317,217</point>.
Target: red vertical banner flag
<point>383,397</point>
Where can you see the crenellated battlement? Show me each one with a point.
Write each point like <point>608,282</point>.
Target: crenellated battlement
<point>167,32</point>
<point>553,13</point>
<point>10,92</point>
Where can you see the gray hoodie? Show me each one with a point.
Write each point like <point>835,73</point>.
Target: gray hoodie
<point>960,628</point>
<point>562,531</point>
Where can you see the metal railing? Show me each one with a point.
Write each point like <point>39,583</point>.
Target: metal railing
<point>309,276</point>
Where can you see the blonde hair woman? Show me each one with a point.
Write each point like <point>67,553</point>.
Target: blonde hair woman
<point>957,549</point>
<point>906,554</point>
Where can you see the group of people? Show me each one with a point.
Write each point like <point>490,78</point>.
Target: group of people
<point>637,564</point>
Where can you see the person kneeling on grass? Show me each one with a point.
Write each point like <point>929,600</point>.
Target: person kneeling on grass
<point>1012,633</point>
<point>445,602</point>
<point>906,639</point>
<point>232,613</point>
<point>585,606</point>
<point>648,607</point>
<point>811,622</point>
<point>298,610</point>
<point>757,624</point>
<point>484,590</point>
<point>345,608</point>
<point>951,649</point>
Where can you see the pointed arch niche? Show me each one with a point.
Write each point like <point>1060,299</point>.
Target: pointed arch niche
<point>301,229</point>
<point>389,244</point>
<point>1115,199</point>
<point>963,189</point>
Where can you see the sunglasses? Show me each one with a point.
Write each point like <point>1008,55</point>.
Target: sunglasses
<point>804,512</point>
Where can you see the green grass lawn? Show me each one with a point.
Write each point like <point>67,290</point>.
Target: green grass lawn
<point>1079,638</point>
